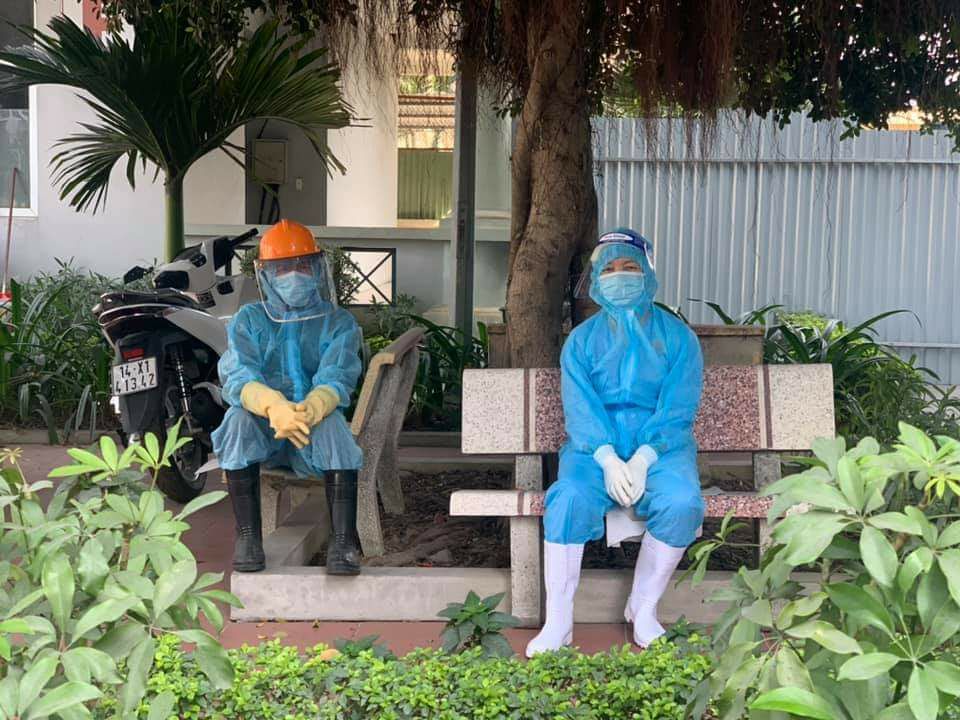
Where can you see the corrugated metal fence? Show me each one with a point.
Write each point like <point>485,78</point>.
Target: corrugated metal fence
<point>795,216</point>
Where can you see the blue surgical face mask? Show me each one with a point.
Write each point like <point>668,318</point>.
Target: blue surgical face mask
<point>623,289</point>
<point>296,289</point>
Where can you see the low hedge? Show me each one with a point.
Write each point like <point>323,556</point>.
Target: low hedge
<point>275,682</point>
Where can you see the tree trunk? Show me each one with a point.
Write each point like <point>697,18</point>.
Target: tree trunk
<point>554,213</point>
<point>174,218</point>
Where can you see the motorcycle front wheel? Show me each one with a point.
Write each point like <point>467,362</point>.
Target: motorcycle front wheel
<point>180,481</point>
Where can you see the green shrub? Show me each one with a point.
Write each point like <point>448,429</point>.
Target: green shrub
<point>438,388</point>
<point>803,318</point>
<point>444,355</point>
<point>390,321</point>
<point>476,623</point>
<point>92,579</point>
<point>274,682</point>
<point>55,363</point>
<point>875,633</point>
<point>874,388</point>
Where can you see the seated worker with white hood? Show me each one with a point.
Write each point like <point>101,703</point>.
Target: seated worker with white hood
<point>631,382</point>
<point>290,368</point>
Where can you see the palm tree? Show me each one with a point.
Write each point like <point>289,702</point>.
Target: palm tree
<point>167,99</point>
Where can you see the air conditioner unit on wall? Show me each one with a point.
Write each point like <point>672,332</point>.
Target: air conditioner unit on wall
<point>269,162</point>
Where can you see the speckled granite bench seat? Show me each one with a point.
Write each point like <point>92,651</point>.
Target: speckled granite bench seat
<point>744,408</point>
<point>765,410</point>
<point>529,503</point>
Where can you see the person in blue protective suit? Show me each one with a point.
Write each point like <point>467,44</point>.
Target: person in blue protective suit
<point>631,383</point>
<point>291,364</point>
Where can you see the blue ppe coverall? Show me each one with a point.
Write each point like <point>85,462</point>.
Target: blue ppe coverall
<point>292,358</point>
<point>631,375</point>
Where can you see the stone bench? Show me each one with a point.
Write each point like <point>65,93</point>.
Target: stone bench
<point>763,410</point>
<point>377,420</point>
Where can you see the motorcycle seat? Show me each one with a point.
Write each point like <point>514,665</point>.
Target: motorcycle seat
<point>137,297</point>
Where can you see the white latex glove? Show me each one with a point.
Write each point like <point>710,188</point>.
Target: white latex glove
<point>616,475</point>
<point>639,464</point>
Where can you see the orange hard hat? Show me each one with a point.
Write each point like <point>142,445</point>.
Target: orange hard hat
<point>287,239</point>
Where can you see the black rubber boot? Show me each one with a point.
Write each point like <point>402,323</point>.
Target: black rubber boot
<point>244,488</point>
<point>343,548</point>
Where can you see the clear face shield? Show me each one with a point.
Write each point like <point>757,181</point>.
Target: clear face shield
<point>295,289</point>
<point>612,257</point>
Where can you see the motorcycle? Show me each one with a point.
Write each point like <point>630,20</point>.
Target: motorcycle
<point>167,343</point>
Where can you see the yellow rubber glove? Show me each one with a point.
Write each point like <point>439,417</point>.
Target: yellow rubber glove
<point>258,398</point>
<point>321,401</point>
<point>287,421</point>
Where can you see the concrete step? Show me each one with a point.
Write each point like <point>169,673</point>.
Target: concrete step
<point>418,594</point>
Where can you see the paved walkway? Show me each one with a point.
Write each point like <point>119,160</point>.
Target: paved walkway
<point>211,539</point>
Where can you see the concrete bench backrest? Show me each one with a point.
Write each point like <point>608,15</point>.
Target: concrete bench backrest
<point>400,357</point>
<point>744,408</point>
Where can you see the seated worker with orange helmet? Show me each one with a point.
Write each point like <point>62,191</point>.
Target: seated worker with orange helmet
<point>291,364</point>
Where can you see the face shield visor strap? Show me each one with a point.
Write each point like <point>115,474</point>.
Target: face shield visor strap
<point>296,289</point>
<point>606,253</point>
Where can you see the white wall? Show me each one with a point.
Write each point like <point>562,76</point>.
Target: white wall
<point>129,228</point>
<point>214,188</point>
<point>493,157</point>
<point>303,201</point>
<point>367,194</point>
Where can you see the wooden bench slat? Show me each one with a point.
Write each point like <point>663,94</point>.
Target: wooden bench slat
<point>520,503</point>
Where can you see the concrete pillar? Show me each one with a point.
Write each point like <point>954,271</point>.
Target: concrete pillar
<point>465,177</point>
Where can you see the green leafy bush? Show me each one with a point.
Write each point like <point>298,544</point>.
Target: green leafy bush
<point>55,363</point>
<point>874,632</point>
<point>94,579</point>
<point>476,623</point>
<point>274,682</point>
<point>874,388</point>
<point>390,321</point>
<point>444,355</point>
<point>438,388</point>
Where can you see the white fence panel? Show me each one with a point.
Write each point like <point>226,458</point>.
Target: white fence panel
<point>795,216</point>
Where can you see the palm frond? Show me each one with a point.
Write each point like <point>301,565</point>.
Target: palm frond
<point>166,99</point>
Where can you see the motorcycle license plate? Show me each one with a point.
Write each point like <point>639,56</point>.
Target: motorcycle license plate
<point>134,377</point>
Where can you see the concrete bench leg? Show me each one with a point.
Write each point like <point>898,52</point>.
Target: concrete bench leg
<point>388,480</point>
<point>766,471</point>
<point>279,501</point>
<point>273,502</point>
<point>764,536</point>
<point>525,549</point>
<point>368,514</point>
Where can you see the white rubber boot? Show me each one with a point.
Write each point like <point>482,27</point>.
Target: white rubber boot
<point>655,566</point>
<point>561,573</point>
